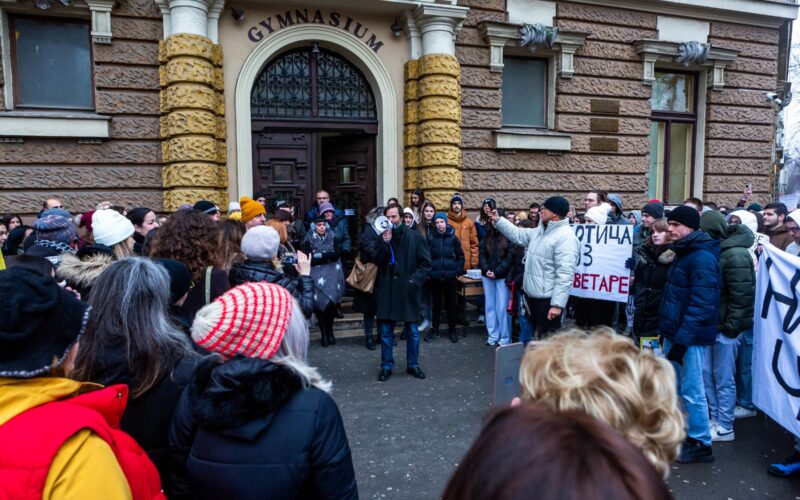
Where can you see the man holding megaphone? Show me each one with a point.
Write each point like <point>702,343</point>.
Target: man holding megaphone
<point>403,262</point>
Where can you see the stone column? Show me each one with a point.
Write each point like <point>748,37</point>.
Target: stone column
<point>438,129</point>
<point>192,108</point>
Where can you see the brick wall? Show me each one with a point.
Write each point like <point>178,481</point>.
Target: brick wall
<point>125,169</point>
<point>739,121</point>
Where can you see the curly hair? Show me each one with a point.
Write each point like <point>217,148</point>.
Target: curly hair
<point>190,237</point>
<point>606,376</point>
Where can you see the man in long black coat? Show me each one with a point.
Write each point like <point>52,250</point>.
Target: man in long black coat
<point>404,262</point>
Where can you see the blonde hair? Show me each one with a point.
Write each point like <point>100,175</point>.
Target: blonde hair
<point>606,376</point>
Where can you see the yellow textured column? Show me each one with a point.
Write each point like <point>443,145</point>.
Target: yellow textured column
<point>439,127</point>
<point>410,130</point>
<point>192,121</point>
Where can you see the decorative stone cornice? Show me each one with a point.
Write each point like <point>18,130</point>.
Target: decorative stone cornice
<point>499,35</point>
<point>653,51</point>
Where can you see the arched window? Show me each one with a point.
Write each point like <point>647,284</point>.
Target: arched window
<point>312,83</point>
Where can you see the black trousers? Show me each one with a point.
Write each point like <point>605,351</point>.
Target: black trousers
<point>325,319</point>
<point>594,312</point>
<point>538,318</point>
<point>448,288</point>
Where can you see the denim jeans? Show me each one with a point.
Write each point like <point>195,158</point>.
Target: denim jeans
<point>387,340</point>
<point>692,392</point>
<point>525,326</point>
<point>718,379</point>
<point>426,301</point>
<point>496,294</point>
<point>744,371</point>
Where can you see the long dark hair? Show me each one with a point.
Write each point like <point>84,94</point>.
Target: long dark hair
<point>422,227</point>
<point>190,237</point>
<point>564,455</point>
<point>495,240</point>
<point>421,194</point>
<point>7,218</point>
<point>130,302</point>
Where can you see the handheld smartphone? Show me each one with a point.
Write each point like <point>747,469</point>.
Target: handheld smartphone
<point>290,259</point>
<point>507,360</point>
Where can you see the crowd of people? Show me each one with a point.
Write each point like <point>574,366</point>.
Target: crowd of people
<point>150,355</point>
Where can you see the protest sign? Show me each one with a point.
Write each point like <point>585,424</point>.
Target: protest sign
<point>601,272</point>
<point>776,338</point>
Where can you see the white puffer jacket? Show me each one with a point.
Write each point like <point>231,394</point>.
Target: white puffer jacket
<point>550,258</point>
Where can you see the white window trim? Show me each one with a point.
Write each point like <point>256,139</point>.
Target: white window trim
<point>663,52</point>
<point>512,138</point>
<point>54,124</point>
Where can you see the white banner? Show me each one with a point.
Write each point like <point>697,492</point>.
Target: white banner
<point>601,272</point>
<point>776,338</point>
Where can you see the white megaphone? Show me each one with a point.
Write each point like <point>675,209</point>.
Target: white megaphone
<point>381,224</point>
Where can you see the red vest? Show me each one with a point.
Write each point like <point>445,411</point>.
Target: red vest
<point>30,441</point>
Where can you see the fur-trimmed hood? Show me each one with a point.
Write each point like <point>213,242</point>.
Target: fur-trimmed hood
<point>81,274</point>
<point>239,390</point>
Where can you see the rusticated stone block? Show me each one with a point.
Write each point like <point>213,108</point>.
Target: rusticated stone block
<point>174,198</point>
<point>126,77</point>
<point>439,108</point>
<point>195,175</point>
<point>473,56</point>
<point>748,81</point>
<point>54,152</point>
<point>189,45</point>
<point>764,116</point>
<point>737,166</point>
<point>542,162</point>
<point>30,202</point>
<point>411,157</point>
<point>749,65</point>
<point>480,77</point>
<point>187,95</point>
<point>589,86</point>
<point>439,85</point>
<point>734,184</point>
<point>216,55</point>
<point>411,179</point>
<point>475,16</point>
<point>219,108</point>
<point>135,127</point>
<point>477,138</point>
<point>183,122</point>
<point>746,49</point>
<point>440,178</point>
<point>613,69</point>
<point>411,135</point>
<point>411,112</point>
<point>162,76</point>
<point>79,177</point>
<point>189,148</point>
<point>189,69</point>
<point>583,104</point>
<point>219,79</point>
<point>597,14</point>
<point>439,155</point>
<point>739,132</point>
<point>439,132</point>
<point>162,52</point>
<point>439,64</point>
<point>604,144</point>
<point>481,98</point>
<point>137,8</point>
<point>744,32</point>
<point>137,28</point>
<point>469,35</point>
<point>738,149</point>
<point>127,52</point>
<point>582,123</point>
<point>484,4</point>
<point>221,131</point>
<point>514,181</point>
<point>126,101</point>
<point>222,153</point>
<point>411,70</point>
<point>410,91</point>
<point>484,118</point>
<point>608,32</point>
<point>441,197</point>
<point>608,50</point>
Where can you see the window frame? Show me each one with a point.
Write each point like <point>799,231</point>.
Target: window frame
<point>670,117</point>
<point>546,94</point>
<point>14,67</point>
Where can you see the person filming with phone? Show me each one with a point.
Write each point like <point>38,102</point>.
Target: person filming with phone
<point>550,260</point>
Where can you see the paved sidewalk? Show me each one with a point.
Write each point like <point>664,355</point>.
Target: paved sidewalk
<point>408,435</point>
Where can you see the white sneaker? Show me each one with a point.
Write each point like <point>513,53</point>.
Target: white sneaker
<point>742,412</point>
<point>481,319</point>
<point>712,427</point>
<point>722,434</point>
<point>424,325</point>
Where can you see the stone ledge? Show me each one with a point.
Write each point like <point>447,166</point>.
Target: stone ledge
<point>531,139</point>
<point>46,124</point>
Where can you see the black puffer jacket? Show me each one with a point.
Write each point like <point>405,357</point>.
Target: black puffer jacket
<point>650,277</point>
<point>248,429</point>
<point>496,254</point>
<point>302,288</point>
<point>447,256</point>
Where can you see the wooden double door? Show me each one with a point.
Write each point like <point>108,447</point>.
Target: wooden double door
<point>295,164</point>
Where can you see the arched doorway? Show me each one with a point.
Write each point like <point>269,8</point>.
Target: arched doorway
<point>314,122</point>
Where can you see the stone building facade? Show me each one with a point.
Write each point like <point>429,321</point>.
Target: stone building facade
<point>173,101</point>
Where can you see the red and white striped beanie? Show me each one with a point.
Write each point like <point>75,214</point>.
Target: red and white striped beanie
<point>250,319</point>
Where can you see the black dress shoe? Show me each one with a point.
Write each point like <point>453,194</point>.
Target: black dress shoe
<point>416,372</point>
<point>384,375</point>
<point>370,343</point>
<point>453,337</point>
